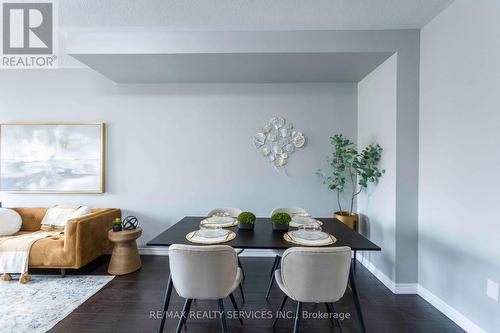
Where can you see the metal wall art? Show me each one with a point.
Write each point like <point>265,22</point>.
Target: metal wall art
<point>277,141</point>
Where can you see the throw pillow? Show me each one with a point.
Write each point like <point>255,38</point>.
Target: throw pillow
<point>56,217</point>
<point>10,222</point>
<point>84,210</point>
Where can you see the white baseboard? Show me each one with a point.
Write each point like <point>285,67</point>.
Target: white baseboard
<point>457,317</point>
<point>396,288</point>
<point>163,251</point>
<point>261,253</point>
<point>406,288</point>
<point>154,251</point>
<point>387,281</point>
<point>415,288</point>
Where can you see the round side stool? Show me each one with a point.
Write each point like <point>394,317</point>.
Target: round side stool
<point>125,258</point>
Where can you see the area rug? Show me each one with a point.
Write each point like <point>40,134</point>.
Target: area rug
<point>41,303</point>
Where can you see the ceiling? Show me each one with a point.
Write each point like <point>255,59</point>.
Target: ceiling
<point>249,14</point>
<point>234,67</point>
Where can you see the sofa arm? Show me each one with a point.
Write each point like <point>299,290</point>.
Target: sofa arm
<point>87,236</point>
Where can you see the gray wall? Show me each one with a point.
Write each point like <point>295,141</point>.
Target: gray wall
<point>147,123</point>
<point>459,158</point>
<point>377,110</point>
<point>177,150</point>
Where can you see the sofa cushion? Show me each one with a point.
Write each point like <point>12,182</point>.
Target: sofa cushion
<point>10,222</point>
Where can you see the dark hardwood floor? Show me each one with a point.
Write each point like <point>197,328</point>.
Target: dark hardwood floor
<point>125,304</point>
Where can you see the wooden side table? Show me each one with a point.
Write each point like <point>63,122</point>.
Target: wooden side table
<point>125,258</point>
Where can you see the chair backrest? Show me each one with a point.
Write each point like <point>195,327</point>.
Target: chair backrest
<point>234,212</point>
<point>203,272</point>
<point>290,211</point>
<point>316,275</point>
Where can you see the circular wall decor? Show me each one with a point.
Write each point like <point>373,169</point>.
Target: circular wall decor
<point>277,141</point>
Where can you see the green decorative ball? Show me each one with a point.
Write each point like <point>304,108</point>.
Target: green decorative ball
<point>246,217</point>
<point>281,218</point>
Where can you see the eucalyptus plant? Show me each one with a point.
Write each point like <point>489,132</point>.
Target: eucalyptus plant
<point>347,164</point>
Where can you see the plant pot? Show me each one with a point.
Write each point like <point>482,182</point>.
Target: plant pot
<point>117,227</point>
<point>349,219</point>
<point>280,226</point>
<point>245,226</point>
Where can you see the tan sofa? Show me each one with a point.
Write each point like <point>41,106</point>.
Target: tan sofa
<point>85,238</point>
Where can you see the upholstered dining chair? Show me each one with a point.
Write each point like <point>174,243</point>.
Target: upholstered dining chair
<point>233,212</point>
<point>279,253</point>
<point>313,275</point>
<point>291,211</point>
<point>204,273</point>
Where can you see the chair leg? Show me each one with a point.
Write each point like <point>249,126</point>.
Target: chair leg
<point>298,314</point>
<point>242,293</point>
<point>329,311</point>
<point>337,320</point>
<point>63,272</point>
<point>235,306</point>
<point>281,308</point>
<point>275,263</point>
<point>239,265</point>
<point>270,287</point>
<point>222,316</point>
<point>185,314</point>
<point>356,300</point>
<point>168,293</point>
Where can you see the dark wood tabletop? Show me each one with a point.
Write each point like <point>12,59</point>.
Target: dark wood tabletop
<point>263,237</point>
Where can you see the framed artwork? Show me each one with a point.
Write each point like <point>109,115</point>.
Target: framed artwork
<point>52,157</point>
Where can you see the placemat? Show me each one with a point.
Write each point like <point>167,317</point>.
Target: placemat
<point>331,240</point>
<point>202,240</point>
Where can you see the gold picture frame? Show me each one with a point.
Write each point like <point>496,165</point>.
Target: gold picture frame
<point>101,163</point>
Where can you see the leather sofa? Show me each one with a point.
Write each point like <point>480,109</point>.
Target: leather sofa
<point>85,238</point>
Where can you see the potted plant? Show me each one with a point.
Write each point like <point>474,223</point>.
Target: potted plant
<point>280,221</point>
<point>359,168</point>
<point>117,224</point>
<point>246,221</point>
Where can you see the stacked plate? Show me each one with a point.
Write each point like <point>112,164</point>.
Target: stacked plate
<point>310,234</point>
<point>300,220</point>
<point>223,221</point>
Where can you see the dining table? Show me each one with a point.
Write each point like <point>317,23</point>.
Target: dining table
<point>264,237</point>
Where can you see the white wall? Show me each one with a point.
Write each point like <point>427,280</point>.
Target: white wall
<point>459,230</point>
<point>176,150</point>
<point>377,109</point>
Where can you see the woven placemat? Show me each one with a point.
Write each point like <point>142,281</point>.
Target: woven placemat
<point>230,236</point>
<point>289,239</point>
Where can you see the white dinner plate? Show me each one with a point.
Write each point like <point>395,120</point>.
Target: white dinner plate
<point>215,233</point>
<point>310,235</point>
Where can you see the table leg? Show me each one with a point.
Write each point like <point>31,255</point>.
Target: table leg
<point>168,293</point>
<point>356,299</point>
